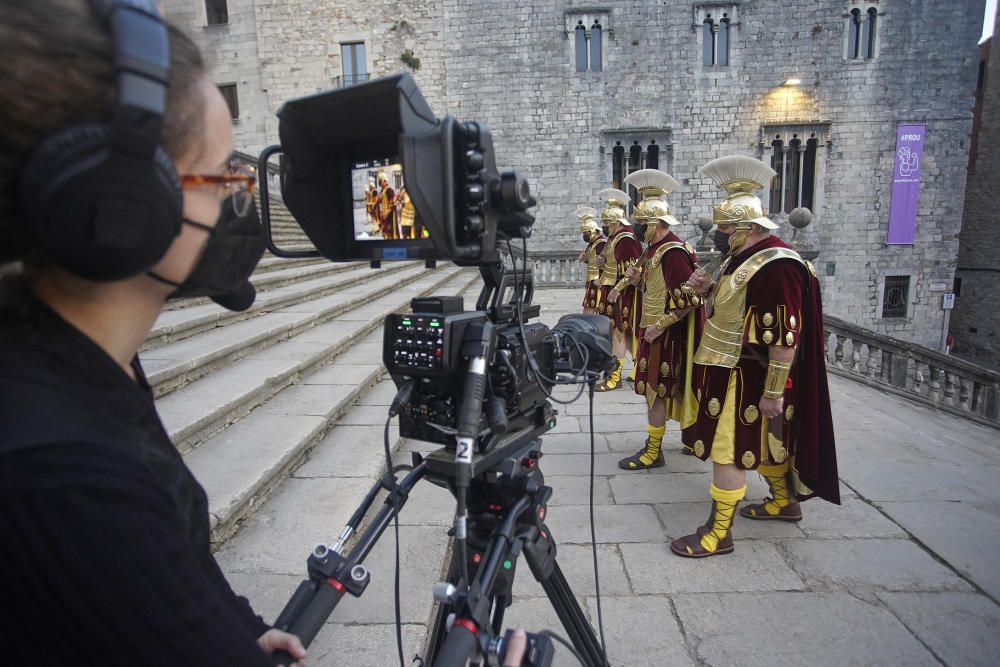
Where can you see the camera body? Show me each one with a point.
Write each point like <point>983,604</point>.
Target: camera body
<point>426,347</point>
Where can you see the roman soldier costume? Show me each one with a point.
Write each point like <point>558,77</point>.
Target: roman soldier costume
<point>595,246</point>
<point>385,208</point>
<point>765,297</point>
<point>668,304</point>
<point>621,251</point>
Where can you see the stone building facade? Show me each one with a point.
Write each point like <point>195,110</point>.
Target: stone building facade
<point>697,79</point>
<point>975,322</point>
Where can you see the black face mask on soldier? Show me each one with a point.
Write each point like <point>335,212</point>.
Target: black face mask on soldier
<point>639,229</point>
<point>586,237</point>
<point>721,240</point>
<point>605,230</point>
<point>234,247</point>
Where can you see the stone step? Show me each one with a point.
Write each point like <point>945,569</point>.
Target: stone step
<point>242,465</point>
<point>176,364</point>
<point>204,407</point>
<point>183,323</point>
<point>271,263</point>
<point>263,277</point>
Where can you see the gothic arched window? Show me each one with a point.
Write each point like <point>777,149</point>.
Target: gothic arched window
<point>861,33</point>
<point>581,47</point>
<point>854,34</point>
<point>868,34</point>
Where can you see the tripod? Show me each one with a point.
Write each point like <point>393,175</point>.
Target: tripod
<point>507,502</point>
<point>507,518</point>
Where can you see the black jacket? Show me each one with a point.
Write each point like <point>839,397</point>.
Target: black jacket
<point>104,533</point>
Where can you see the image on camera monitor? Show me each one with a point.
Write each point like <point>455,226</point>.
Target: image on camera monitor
<point>383,210</point>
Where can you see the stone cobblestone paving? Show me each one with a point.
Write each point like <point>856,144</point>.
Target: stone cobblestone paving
<point>904,572</point>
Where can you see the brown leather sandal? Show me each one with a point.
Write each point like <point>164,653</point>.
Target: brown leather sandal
<point>689,546</point>
<point>791,512</point>
<point>635,463</point>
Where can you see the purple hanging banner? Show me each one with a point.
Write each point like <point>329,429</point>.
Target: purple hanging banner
<point>906,184</point>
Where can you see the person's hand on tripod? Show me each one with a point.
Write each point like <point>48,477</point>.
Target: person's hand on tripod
<point>277,640</point>
<point>515,648</point>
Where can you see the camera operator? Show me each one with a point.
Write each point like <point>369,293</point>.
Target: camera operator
<point>105,552</point>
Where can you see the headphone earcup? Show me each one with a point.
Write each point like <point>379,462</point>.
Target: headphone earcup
<point>99,213</point>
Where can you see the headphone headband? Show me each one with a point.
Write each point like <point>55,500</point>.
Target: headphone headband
<point>142,70</point>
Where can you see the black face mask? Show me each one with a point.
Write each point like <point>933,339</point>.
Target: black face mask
<point>605,230</point>
<point>586,238</point>
<point>234,247</point>
<point>639,229</point>
<point>721,241</point>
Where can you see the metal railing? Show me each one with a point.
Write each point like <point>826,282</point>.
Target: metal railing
<point>349,80</point>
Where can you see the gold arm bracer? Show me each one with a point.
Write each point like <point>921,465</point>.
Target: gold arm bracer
<point>669,319</point>
<point>622,284</point>
<point>777,378</point>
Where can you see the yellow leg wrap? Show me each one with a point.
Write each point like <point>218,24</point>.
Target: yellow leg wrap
<point>722,519</point>
<point>777,477</point>
<point>616,375</point>
<point>652,443</point>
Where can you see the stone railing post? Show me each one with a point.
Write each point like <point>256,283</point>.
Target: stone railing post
<point>935,384</point>
<point>949,388</point>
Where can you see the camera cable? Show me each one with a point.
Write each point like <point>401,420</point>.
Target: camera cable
<point>593,530</point>
<point>398,402</point>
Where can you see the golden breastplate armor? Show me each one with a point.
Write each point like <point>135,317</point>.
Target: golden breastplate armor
<point>722,338</point>
<point>593,271</point>
<point>654,295</point>
<point>609,274</point>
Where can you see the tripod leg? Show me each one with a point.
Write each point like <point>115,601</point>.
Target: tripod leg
<point>439,628</point>
<point>541,557</point>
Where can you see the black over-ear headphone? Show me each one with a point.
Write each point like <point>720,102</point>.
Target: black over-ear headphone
<point>104,200</point>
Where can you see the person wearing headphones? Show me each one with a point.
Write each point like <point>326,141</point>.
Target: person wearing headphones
<point>117,192</point>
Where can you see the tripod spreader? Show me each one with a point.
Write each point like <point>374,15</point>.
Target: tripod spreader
<point>332,575</point>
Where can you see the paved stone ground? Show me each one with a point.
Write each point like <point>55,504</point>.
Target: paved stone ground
<point>904,572</point>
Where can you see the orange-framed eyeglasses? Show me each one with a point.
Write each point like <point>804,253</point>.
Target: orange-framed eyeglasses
<point>239,182</point>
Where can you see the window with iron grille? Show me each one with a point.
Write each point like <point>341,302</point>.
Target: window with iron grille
<point>896,296</point>
<point>353,63</point>
<point>216,12</point>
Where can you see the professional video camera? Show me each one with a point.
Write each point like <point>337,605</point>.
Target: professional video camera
<point>370,173</point>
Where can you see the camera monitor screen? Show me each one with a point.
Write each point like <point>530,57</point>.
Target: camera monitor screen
<point>383,210</point>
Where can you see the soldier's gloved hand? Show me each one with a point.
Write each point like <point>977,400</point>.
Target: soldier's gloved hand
<point>652,333</point>
<point>633,272</point>
<point>613,296</point>
<point>600,261</point>
<point>582,257</point>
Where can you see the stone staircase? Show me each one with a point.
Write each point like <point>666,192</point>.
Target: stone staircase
<point>246,396</point>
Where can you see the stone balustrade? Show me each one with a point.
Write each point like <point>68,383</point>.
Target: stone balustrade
<point>916,372</point>
<point>558,268</point>
<point>906,369</point>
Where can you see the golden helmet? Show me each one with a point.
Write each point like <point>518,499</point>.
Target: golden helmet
<point>654,185</point>
<point>588,218</point>
<point>739,176</point>
<point>616,203</point>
